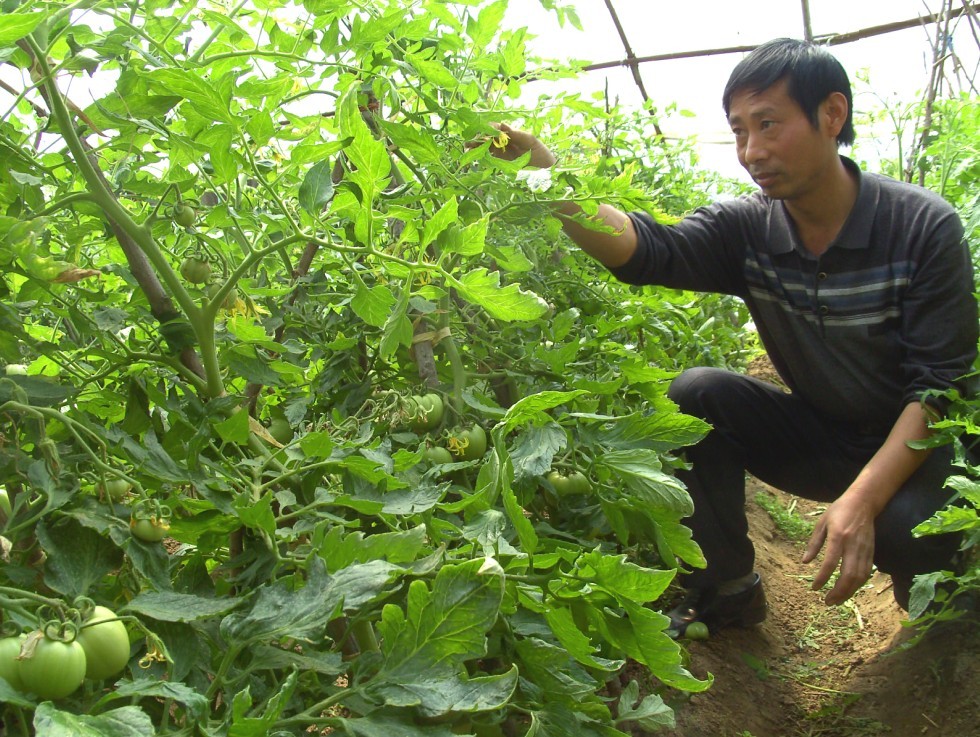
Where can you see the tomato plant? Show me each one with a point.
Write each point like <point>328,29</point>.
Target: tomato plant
<point>383,279</point>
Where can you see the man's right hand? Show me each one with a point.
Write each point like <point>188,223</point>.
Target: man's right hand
<point>612,249</point>
<point>511,144</point>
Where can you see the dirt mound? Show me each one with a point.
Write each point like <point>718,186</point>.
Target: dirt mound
<point>831,671</point>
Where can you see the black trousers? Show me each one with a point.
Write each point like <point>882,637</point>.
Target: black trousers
<point>781,440</point>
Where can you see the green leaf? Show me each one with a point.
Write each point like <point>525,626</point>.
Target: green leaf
<point>398,329</point>
<point>651,713</point>
<point>447,215</point>
<point>245,725</point>
<point>625,580</point>
<point>196,90</point>
<point>17,25</point>
<point>433,71</point>
<point>534,406</point>
<point>340,550</point>
<point>171,606</point>
<point>235,429</point>
<point>78,557</point>
<point>535,448</point>
<point>640,634</point>
<point>283,611</point>
<point>508,303</point>
<point>40,392</point>
<point>438,631</point>
<point>126,721</point>
<point>373,305</point>
<point>196,703</point>
<point>640,469</point>
<point>437,692</point>
<point>317,188</point>
<point>576,643</point>
<point>482,29</point>
<point>387,724</point>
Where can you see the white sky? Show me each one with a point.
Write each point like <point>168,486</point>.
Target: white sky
<point>897,63</point>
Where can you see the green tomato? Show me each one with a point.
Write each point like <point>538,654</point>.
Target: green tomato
<point>116,489</point>
<point>9,665</point>
<point>697,631</point>
<point>281,430</point>
<point>426,412</point>
<point>184,215</point>
<point>469,444</point>
<point>230,299</point>
<point>195,270</point>
<point>437,454</point>
<point>570,485</point>
<point>55,669</point>
<point>149,529</point>
<point>5,510</point>
<point>15,369</point>
<point>105,642</point>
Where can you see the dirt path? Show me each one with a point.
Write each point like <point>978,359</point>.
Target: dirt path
<point>834,672</point>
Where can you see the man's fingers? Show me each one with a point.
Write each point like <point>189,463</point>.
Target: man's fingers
<point>816,541</point>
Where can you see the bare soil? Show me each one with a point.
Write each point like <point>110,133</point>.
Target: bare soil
<point>845,671</point>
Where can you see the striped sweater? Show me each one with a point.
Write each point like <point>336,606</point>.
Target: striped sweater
<point>885,314</point>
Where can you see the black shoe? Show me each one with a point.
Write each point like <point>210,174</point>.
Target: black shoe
<point>742,609</point>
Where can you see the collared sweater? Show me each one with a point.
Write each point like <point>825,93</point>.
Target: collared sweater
<point>885,314</point>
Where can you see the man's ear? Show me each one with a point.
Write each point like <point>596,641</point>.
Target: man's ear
<point>833,113</point>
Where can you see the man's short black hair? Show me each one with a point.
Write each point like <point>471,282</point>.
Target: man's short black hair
<point>811,73</point>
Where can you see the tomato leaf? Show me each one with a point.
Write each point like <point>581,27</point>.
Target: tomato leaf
<point>438,631</point>
<point>172,606</point>
<point>17,25</point>
<point>78,557</point>
<point>509,303</point>
<point>126,721</point>
<point>234,429</point>
<point>204,98</point>
<point>373,305</point>
<point>317,188</point>
<point>196,703</point>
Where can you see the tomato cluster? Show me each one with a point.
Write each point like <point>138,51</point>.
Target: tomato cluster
<point>53,661</point>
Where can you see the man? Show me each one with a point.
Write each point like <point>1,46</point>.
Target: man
<point>861,288</point>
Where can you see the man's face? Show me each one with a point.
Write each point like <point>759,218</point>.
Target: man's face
<point>777,144</point>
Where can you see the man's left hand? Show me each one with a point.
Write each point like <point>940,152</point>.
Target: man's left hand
<point>847,528</point>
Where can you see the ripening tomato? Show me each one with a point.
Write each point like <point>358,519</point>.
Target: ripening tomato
<point>54,670</point>
<point>105,642</point>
